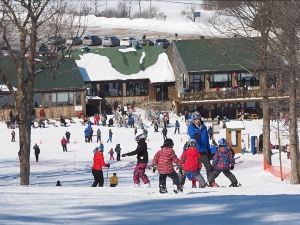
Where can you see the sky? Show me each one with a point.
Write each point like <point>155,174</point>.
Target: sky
<point>262,199</point>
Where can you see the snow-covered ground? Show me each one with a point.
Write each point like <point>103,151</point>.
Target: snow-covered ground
<point>262,199</point>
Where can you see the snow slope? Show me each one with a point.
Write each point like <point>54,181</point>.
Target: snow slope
<point>263,199</point>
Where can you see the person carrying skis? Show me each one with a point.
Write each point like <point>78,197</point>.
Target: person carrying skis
<point>223,161</point>
<point>191,164</point>
<point>98,163</point>
<point>164,160</point>
<point>198,131</point>
<point>68,135</point>
<point>37,151</point>
<point>141,153</point>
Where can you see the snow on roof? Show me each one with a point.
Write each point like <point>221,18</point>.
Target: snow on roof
<point>94,67</point>
<point>127,50</point>
<point>235,124</point>
<point>4,88</point>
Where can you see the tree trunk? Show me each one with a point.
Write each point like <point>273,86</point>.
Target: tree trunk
<point>265,98</point>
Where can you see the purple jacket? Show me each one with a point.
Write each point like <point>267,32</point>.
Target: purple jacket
<point>223,159</point>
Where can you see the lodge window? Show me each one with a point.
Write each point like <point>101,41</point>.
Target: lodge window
<point>62,98</point>
<point>196,82</point>
<point>247,79</point>
<point>110,89</point>
<point>220,80</point>
<point>136,88</point>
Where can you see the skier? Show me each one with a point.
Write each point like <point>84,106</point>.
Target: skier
<point>13,136</point>
<point>111,154</point>
<point>198,131</point>
<point>223,161</point>
<point>37,151</point>
<point>164,160</point>
<point>177,127</point>
<point>142,160</point>
<point>98,163</point>
<point>164,132</point>
<point>64,144</point>
<point>98,135</point>
<point>68,135</point>
<point>191,163</point>
<point>110,133</point>
<point>118,151</point>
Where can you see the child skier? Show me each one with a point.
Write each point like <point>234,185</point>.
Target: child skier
<point>142,160</point>
<point>191,164</point>
<point>64,144</point>
<point>114,180</point>
<point>223,161</point>
<point>164,160</point>
<point>111,154</point>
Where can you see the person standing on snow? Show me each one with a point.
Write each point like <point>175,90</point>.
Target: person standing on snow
<point>98,135</point>
<point>110,134</point>
<point>64,144</point>
<point>191,164</point>
<point>37,151</point>
<point>177,127</point>
<point>98,163</point>
<point>141,153</point>
<point>198,131</point>
<point>164,132</point>
<point>223,161</point>
<point>13,136</point>
<point>164,160</point>
<point>68,135</point>
<point>118,151</point>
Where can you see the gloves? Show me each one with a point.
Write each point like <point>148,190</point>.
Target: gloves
<point>124,155</point>
<point>231,167</point>
<point>107,165</point>
<point>197,136</point>
<point>154,169</point>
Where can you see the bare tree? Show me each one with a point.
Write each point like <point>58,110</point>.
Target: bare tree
<point>30,21</point>
<point>286,30</point>
<point>252,18</point>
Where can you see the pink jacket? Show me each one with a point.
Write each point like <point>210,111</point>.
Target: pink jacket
<point>164,159</point>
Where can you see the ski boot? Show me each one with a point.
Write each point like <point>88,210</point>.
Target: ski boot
<point>163,189</point>
<point>235,185</point>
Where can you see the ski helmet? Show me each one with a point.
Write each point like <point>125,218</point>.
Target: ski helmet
<point>139,136</point>
<point>196,116</point>
<point>168,143</point>
<point>192,143</point>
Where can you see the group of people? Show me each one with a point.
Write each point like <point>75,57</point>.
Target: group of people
<point>196,153</point>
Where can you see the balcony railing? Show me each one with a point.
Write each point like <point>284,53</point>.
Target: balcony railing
<point>234,94</point>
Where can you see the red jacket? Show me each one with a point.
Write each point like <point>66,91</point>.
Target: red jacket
<point>63,141</point>
<point>190,159</point>
<point>98,161</point>
<point>164,159</point>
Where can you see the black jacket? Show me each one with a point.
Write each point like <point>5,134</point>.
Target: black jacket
<point>141,152</point>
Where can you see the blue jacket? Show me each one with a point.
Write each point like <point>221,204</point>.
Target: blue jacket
<point>202,140</point>
<point>177,124</point>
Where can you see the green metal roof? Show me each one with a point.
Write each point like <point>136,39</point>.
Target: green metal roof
<point>225,54</point>
<point>67,76</point>
<point>127,62</point>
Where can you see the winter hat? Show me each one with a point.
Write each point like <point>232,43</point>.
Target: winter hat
<point>196,116</point>
<point>168,143</point>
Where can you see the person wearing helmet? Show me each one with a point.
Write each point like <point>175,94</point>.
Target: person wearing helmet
<point>142,160</point>
<point>198,131</point>
<point>98,163</point>
<point>223,161</point>
<point>164,160</point>
<point>191,164</point>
